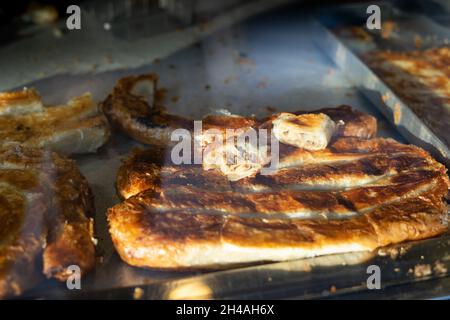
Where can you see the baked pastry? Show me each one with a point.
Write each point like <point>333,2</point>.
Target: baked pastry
<point>306,131</point>
<point>25,101</point>
<point>187,239</point>
<point>236,157</point>
<point>358,194</point>
<point>133,108</point>
<point>422,79</point>
<point>346,162</point>
<point>77,127</point>
<point>45,210</point>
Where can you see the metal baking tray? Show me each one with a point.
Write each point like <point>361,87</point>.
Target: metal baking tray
<point>344,49</point>
<point>264,63</point>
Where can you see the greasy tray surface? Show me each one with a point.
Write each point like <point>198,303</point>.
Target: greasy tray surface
<point>410,32</point>
<point>265,64</point>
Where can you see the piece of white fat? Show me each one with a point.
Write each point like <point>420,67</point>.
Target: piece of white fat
<point>307,131</point>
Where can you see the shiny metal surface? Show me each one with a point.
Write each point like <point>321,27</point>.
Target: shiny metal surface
<point>326,277</point>
<point>345,54</point>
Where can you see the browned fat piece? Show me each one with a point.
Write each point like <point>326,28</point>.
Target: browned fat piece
<point>45,204</point>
